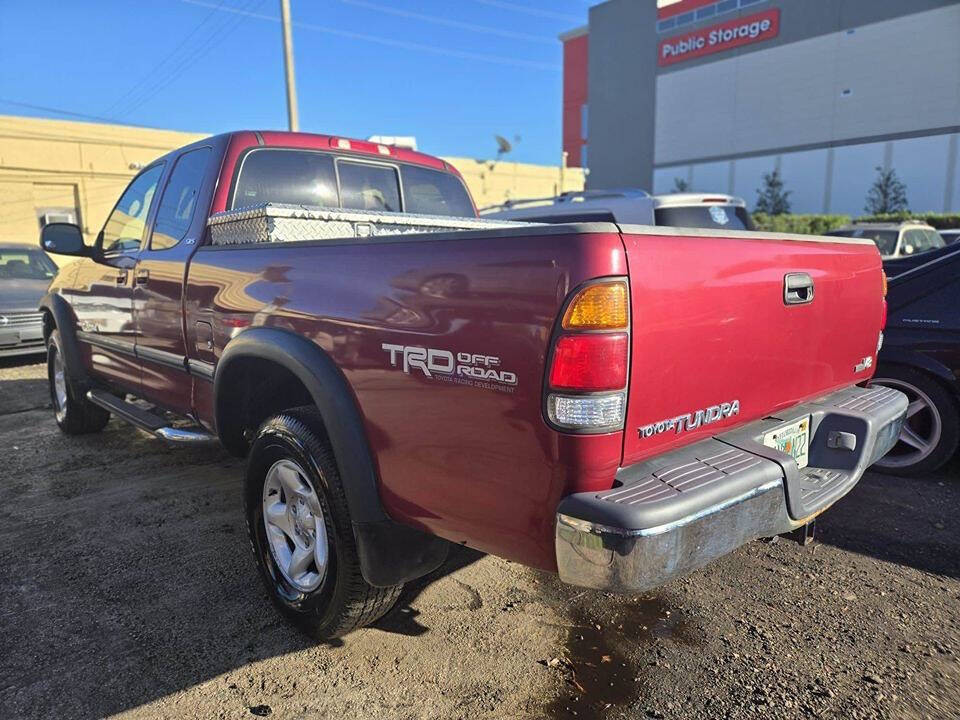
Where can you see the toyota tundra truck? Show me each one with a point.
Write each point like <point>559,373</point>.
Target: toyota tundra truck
<point>618,404</point>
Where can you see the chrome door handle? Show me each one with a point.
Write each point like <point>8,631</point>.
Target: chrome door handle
<point>797,289</point>
<point>121,277</point>
<point>143,275</point>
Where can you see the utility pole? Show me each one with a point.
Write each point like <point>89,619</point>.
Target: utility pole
<point>292,122</point>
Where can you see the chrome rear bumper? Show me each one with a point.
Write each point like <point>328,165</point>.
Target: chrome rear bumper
<point>669,516</point>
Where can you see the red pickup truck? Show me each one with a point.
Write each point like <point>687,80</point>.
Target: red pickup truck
<point>619,404</point>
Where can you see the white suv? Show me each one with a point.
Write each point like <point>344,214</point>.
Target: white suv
<point>715,211</point>
<point>895,240</point>
<point>630,207</point>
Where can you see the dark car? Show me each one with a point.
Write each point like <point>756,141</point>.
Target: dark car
<point>25,274</point>
<point>921,357</point>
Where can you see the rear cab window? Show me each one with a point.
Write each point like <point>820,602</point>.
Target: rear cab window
<point>364,186</point>
<point>317,178</point>
<point>293,177</point>
<point>433,192</point>
<point>713,217</point>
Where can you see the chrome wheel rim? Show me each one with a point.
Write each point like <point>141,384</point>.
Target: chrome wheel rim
<point>295,527</point>
<point>59,387</point>
<point>921,429</point>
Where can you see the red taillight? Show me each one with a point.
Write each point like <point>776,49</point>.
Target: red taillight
<point>883,316</point>
<point>587,377</point>
<point>590,362</point>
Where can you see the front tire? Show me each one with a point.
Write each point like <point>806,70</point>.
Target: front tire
<point>931,432</point>
<point>300,529</point>
<point>75,414</point>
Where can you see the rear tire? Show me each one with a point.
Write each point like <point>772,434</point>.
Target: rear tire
<point>75,414</point>
<point>300,529</point>
<point>931,432</point>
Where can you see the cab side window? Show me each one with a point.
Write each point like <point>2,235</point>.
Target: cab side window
<point>179,200</point>
<point>124,228</point>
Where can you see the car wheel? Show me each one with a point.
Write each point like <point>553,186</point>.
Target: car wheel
<point>75,415</point>
<point>931,431</point>
<point>300,528</point>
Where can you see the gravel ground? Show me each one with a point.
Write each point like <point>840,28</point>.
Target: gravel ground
<point>127,588</point>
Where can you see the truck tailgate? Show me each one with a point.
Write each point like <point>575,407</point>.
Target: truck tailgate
<point>713,336</point>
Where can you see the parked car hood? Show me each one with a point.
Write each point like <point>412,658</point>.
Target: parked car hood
<point>22,295</point>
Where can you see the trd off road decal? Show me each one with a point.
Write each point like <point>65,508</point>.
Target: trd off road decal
<point>461,368</point>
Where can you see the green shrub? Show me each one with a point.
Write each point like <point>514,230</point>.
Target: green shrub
<point>802,224</point>
<point>819,224</point>
<point>941,221</point>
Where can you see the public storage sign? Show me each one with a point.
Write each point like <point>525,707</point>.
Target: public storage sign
<point>717,38</point>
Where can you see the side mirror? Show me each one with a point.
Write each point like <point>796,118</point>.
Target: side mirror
<point>63,239</point>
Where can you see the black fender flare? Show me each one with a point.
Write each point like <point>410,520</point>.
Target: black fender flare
<point>910,358</point>
<point>65,321</point>
<point>390,553</point>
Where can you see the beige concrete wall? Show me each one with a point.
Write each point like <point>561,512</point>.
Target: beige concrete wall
<point>50,164</point>
<point>63,164</point>
<point>492,183</point>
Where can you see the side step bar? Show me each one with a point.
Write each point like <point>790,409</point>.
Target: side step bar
<point>146,420</point>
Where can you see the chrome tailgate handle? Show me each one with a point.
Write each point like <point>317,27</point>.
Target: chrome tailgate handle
<point>797,289</point>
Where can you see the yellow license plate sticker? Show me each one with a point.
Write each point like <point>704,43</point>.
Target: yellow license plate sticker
<point>792,439</point>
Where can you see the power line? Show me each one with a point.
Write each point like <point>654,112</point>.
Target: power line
<point>69,113</point>
<point>503,5</point>
<point>437,20</point>
<point>390,42</point>
<point>216,36</point>
<point>156,68</point>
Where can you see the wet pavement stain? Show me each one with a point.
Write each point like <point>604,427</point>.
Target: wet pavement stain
<point>600,675</point>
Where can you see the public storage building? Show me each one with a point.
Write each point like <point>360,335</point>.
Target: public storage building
<point>718,92</point>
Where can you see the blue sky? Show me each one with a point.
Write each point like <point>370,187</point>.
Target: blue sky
<point>453,73</point>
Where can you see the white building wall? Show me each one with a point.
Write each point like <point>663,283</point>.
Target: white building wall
<point>922,164</point>
<point>805,176</point>
<point>896,76</point>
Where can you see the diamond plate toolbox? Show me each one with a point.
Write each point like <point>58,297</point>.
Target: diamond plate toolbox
<point>274,222</point>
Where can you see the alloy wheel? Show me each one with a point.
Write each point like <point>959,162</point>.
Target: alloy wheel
<point>295,527</point>
<point>59,387</point>
<point>921,429</point>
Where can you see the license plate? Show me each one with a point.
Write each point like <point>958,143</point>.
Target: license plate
<point>792,439</point>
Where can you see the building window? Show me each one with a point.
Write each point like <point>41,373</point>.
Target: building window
<point>671,23</point>
<point>726,6</point>
<point>583,122</point>
<point>706,12</point>
<point>47,215</point>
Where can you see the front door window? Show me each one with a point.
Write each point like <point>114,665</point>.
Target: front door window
<point>124,228</point>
